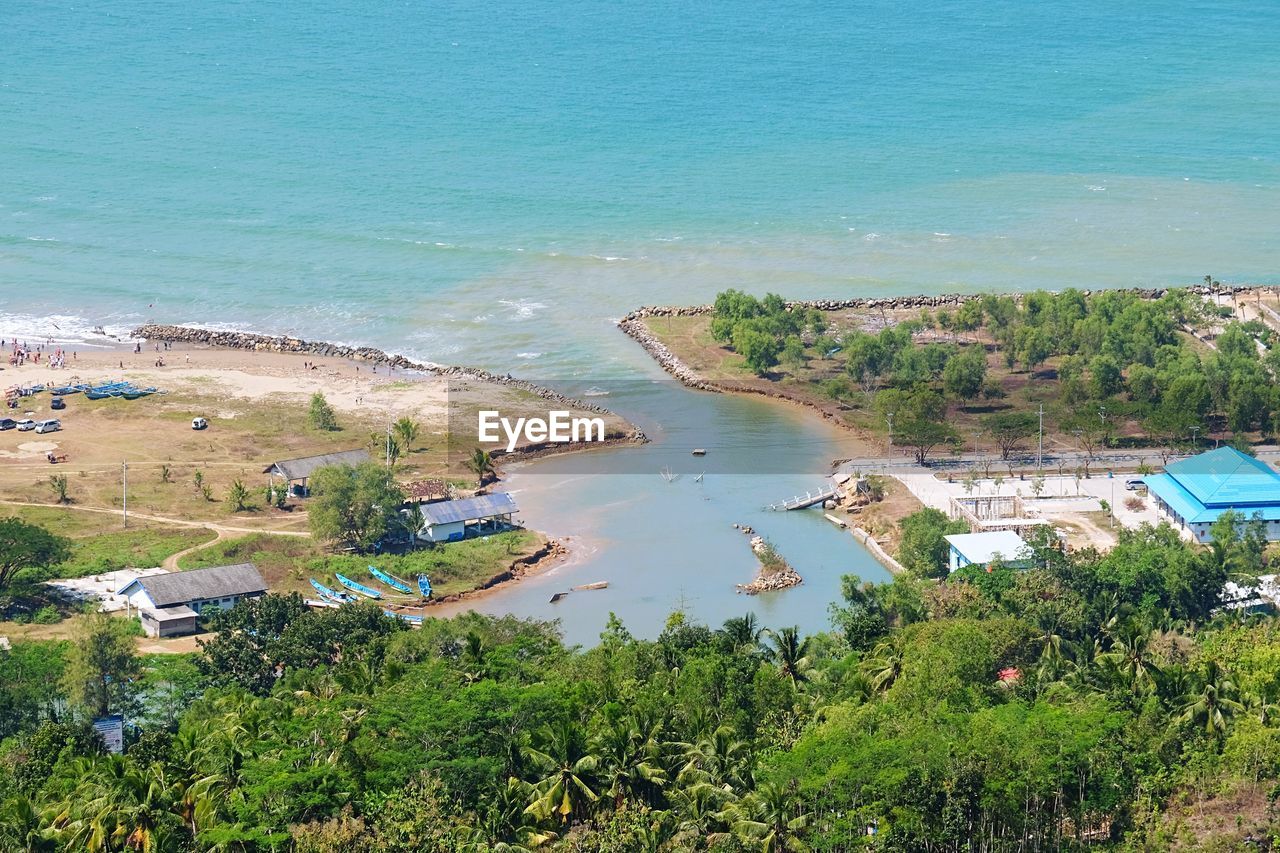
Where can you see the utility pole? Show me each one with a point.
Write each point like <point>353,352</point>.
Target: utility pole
<point>388,444</point>
<point>889,418</point>
<point>124,490</point>
<point>1040,441</point>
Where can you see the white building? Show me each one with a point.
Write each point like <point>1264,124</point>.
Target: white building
<point>985,548</point>
<point>449,521</point>
<point>170,604</point>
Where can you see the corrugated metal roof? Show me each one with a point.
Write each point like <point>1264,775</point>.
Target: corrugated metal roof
<point>1226,478</point>
<point>1192,510</point>
<point>305,466</point>
<point>985,547</point>
<point>469,509</point>
<point>201,584</point>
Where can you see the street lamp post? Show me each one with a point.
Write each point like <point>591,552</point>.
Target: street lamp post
<point>889,417</point>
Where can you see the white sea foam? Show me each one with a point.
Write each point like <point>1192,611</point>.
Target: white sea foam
<point>522,308</point>
<point>872,236</point>
<point>528,354</point>
<point>65,329</point>
<point>1096,188</point>
<point>43,239</point>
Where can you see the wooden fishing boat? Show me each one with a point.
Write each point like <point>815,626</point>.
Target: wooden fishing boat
<point>405,617</point>
<point>330,594</point>
<point>357,587</point>
<point>389,580</point>
<point>424,586</point>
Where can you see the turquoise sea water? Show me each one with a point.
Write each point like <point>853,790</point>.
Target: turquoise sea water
<point>492,184</point>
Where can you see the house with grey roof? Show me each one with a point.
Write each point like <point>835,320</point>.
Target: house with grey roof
<point>171,603</point>
<point>448,521</point>
<point>295,473</point>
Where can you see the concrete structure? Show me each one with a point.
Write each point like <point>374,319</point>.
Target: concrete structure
<point>986,547</point>
<point>170,603</point>
<point>1193,493</point>
<point>297,472</point>
<point>449,521</point>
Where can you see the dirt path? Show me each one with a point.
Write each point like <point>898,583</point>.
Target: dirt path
<point>171,562</point>
<point>221,529</point>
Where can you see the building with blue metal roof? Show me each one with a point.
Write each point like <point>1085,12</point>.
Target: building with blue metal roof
<point>1193,493</point>
<point>447,521</point>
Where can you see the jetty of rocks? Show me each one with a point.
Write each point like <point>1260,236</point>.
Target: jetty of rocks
<point>321,349</point>
<point>774,575</point>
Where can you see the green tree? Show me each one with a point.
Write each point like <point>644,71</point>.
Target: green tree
<point>354,504</point>
<point>58,482</point>
<point>1105,377</point>
<point>406,431</point>
<point>28,546</point>
<point>964,374</point>
<point>923,550</point>
<point>238,496</point>
<point>1010,429</point>
<point>321,415</point>
<point>566,789</point>
<point>756,346</point>
<point>101,664</point>
<point>480,463</point>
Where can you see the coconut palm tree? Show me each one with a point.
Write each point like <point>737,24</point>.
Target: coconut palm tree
<point>480,464</point>
<point>406,433</point>
<point>1130,655</point>
<point>23,826</point>
<point>768,820</point>
<point>884,666</point>
<point>1215,701</point>
<point>567,789</point>
<point>791,654</point>
<point>719,758</point>
<point>629,753</point>
<point>743,632</point>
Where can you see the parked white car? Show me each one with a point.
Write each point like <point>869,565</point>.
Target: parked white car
<point>26,424</point>
<point>51,425</point>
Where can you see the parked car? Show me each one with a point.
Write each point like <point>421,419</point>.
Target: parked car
<point>58,403</point>
<point>51,425</point>
<point>7,423</point>
<point>26,424</point>
<point>199,423</point>
<point>1134,483</point>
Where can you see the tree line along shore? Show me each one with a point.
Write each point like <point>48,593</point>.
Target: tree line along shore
<point>1167,368</point>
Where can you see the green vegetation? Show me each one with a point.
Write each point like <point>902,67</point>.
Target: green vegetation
<point>761,330</point>
<point>923,550</point>
<point>287,562</point>
<point>27,546</point>
<point>321,415</point>
<point>354,505</point>
<point>1091,702</point>
<point>480,463</point>
<point>1110,367</point>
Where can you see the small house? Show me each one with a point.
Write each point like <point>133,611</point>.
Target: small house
<point>296,473</point>
<point>983,549</point>
<point>170,604</point>
<point>449,521</point>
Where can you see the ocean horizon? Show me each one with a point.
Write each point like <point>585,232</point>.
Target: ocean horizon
<point>496,189</point>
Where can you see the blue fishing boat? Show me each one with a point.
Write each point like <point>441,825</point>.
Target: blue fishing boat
<point>424,586</point>
<point>64,390</point>
<point>357,587</point>
<point>394,583</point>
<point>412,620</point>
<point>330,594</point>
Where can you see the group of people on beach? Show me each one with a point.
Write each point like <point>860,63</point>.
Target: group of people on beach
<point>21,353</point>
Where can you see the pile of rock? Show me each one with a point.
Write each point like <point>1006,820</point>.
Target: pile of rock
<point>635,328</point>
<point>284,343</point>
<point>774,575</point>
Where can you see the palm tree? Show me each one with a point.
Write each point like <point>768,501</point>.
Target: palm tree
<point>1215,703</point>
<point>884,666</point>
<point>719,758</point>
<point>791,654</point>
<point>480,464</point>
<point>566,790</point>
<point>629,752</point>
<point>743,632</point>
<point>21,824</point>
<point>767,820</point>
<point>473,658</point>
<point>406,433</point>
<point>1130,655</point>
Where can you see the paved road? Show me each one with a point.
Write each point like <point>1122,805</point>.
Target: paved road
<point>1070,460</point>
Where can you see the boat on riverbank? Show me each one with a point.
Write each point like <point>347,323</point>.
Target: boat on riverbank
<point>424,586</point>
<point>368,592</point>
<point>330,594</point>
<point>390,580</point>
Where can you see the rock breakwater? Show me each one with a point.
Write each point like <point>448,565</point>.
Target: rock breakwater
<point>370,355</point>
<point>775,572</point>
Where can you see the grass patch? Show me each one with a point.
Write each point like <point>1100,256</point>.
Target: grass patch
<point>99,544</point>
<point>287,563</point>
